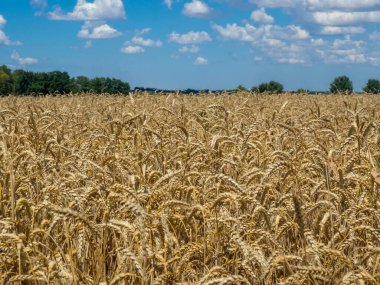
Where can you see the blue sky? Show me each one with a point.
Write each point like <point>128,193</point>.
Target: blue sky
<point>180,44</point>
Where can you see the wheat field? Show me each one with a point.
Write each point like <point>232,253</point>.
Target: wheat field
<point>173,189</point>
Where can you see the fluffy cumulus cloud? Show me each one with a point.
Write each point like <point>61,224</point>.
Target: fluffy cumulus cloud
<point>338,30</point>
<point>286,44</point>
<point>250,33</point>
<point>4,39</point>
<point>344,50</point>
<point>345,18</point>
<point>201,61</point>
<point>261,16</point>
<point>275,3</point>
<point>130,49</point>
<point>142,31</point>
<point>190,38</point>
<point>236,32</point>
<point>89,11</point>
<point>138,43</point>
<point>146,42</point>
<point>95,30</point>
<point>318,4</point>
<point>329,12</point>
<point>340,4</point>
<point>189,49</point>
<point>23,60</point>
<point>329,17</point>
<point>196,8</point>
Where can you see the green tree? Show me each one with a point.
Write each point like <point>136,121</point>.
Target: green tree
<point>263,87</point>
<point>81,84</point>
<point>341,84</point>
<point>40,83</point>
<point>270,87</point>
<point>114,86</point>
<point>58,81</point>
<point>22,81</point>
<point>98,85</point>
<point>109,85</point>
<point>6,80</point>
<point>241,88</point>
<point>275,87</point>
<point>372,86</point>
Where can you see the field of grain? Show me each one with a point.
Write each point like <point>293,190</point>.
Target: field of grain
<point>228,189</point>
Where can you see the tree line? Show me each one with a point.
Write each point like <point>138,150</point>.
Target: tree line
<point>341,84</point>
<point>23,82</point>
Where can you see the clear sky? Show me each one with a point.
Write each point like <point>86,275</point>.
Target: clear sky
<point>178,44</point>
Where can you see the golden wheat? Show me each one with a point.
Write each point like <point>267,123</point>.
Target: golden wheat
<point>174,189</point>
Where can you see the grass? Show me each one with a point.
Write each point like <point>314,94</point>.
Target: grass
<point>228,189</point>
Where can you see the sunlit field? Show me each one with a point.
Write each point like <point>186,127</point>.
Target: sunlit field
<point>175,189</point>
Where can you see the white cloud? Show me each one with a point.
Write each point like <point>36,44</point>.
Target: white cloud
<point>93,30</point>
<point>335,18</point>
<point>274,3</point>
<point>337,30</point>
<point>318,4</point>
<point>344,51</point>
<point>340,4</point>
<point>196,8</point>
<point>286,44</point>
<point>142,31</point>
<point>200,61</point>
<point>190,38</point>
<point>261,16</point>
<point>189,49</point>
<point>285,52</point>
<point>2,21</point>
<point>250,33</point>
<point>291,32</point>
<point>292,60</point>
<point>374,58</point>
<point>132,49</point>
<point>343,56</point>
<point>98,10</point>
<point>235,32</point>
<point>40,4</point>
<point>4,39</point>
<point>347,42</point>
<point>138,44</point>
<point>258,58</point>
<point>293,44</point>
<point>317,42</point>
<point>23,60</point>
<point>168,3</point>
<point>146,42</point>
<point>328,12</point>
